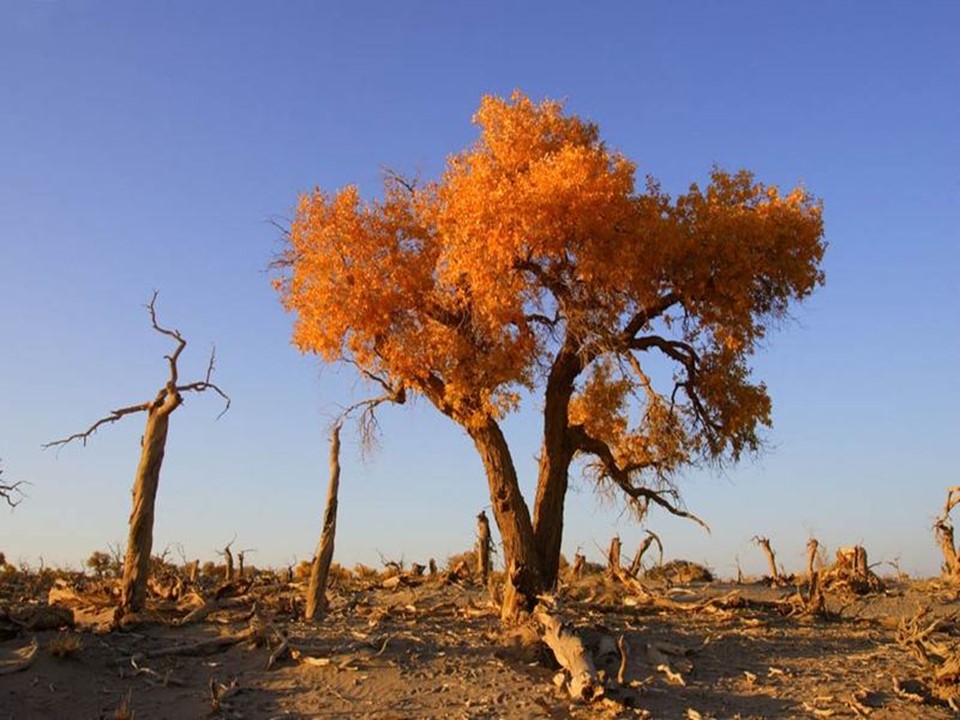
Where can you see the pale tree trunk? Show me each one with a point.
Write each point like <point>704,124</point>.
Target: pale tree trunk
<point>764,544</point>
<point>579,560</point>
<point>613,557</point>
<point>136,565</point>
<point>228,564</point>
<point>951,561</point>
<point>320,569</point>
<point>523,579</point>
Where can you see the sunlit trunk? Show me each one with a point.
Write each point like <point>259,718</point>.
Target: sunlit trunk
<point>523,581</point>
<point>136,566</point>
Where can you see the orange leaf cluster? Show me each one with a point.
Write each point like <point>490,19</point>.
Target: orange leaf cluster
<point>536,241</point>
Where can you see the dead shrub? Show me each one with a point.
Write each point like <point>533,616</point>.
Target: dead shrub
<point>65,645</point>
<point>680,571</point>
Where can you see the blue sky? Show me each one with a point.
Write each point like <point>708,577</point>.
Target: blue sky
<point>147,147</point>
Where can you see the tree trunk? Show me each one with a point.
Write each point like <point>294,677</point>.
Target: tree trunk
<point>228,562</point>
<point>483,547</point>
<point>320,569</point>
<point>951,562</point>
<point>136,566</point>
<point>613,557</point>
<point>523,578</point>
<point>555,458</point>
<point>764,544</point>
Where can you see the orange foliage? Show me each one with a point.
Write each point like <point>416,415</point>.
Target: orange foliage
<point>537,240</point>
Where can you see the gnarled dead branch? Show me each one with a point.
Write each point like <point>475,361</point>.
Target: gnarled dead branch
<point>153,445</point>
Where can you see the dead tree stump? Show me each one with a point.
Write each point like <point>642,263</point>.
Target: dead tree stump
<point>815,603</point>
<point>764,544</point>
<point>228,562</point>
<point>320,569</point>
<point>579,561</point>
<point>943,527</point>
<point>613,558</point>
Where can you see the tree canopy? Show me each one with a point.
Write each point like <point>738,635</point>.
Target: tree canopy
<point>538,263</point>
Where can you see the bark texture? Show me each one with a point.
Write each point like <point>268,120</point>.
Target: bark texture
<point>320,569</point>
<point>523,580</point>
<point>136,565</point>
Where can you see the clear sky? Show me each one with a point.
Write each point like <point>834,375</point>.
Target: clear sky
<point>146,146</point>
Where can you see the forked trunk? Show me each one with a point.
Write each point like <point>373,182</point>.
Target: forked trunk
<point>555,458</point>
<point>523,579</point>
<point>136,565</point>
<point>320,570</point>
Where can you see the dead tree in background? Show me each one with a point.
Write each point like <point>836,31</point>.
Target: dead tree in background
<point>815,602</point>
<point>241,556</point>
<point>227,560</point>
<point>645,544</point>
<point>7,492</point>
<point>153,444</point>
<point>764,544</point>
<point>484,547</point>
<point>613,557</point>
<point>316,599</point>
<point>943,527</point>
<point>579,561</point>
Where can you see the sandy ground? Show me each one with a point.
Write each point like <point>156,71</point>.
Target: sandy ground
<point>437,651</point>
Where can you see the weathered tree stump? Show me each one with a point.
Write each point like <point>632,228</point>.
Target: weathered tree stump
<point>320,569</point>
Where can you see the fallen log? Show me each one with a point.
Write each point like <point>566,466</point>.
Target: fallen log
<point>19,659</point>
<point>569,650</point>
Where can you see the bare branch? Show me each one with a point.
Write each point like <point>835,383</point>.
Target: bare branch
<point>8,491</point>
<point>168,397</point>
<point>392,175</point>
<point>621,477</point>
<point>367,422</point>
<point>111,418</point>
<point>175,334</point>
<point>205,384</point>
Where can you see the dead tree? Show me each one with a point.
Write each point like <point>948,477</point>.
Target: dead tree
<point>227,560</point>
<point>241,556</point>
<point>320,569</point>
<point>613,557</point>
<point>579,562</point>
<point>943,527</point>
<point>764,544</point>
<point>153,444</point>
<point>815,602</point>
<point>645,544</point>
<point>484,547</point>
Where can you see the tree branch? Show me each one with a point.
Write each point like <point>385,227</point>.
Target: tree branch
<point>169,392</point>
<point>111,418</point>
<point>7,492</point>
<point>646,315</point>
<point>175,334</point>
<point>640,495</point>
<point>367,422</point>
<point>205,384</point>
